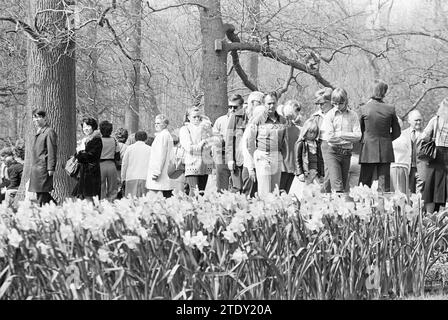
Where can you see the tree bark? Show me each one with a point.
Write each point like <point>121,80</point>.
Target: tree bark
<point>51,86</point>
<point>134,76</point>
<point>214,70</point>
<point>92,84</point>
<point>252,57</point>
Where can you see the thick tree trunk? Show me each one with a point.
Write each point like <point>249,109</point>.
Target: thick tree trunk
<point>252,59</point>
<point>214,63</point>
<point>92,85</point>
<point>132,109</point>
<point>51,86</point>
<point>13,123</point>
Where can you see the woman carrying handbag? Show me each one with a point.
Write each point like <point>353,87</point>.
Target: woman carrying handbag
<point>435,190</point>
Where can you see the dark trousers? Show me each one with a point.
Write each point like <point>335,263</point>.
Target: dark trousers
<point>43,198</point>
<point>382,170</point>
<point>417,176</point>
<point>286,181</point>
<point>222,177</point>
<point>249,186</point>
<point>167,193</point>
<point>338,166</point>
<point>237,179</point>
<point>196,182</point>
<point>326,185</point>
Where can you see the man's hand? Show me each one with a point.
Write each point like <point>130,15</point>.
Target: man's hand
<point>155,176</point>
<point>252,175</point>
<point>50,173</point>
<point>231,165</point>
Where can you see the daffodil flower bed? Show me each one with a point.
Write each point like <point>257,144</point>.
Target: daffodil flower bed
<point>220,246</point>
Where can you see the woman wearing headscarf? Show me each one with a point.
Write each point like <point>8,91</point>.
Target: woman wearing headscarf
<point>435,189</point>
<point>194,137</point>
<point>88,155</point>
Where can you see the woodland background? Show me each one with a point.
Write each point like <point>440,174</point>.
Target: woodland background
<point>126,61</point>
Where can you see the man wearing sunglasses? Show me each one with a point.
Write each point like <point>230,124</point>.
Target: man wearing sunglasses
<point>239,162</point>
<point>220,129</point>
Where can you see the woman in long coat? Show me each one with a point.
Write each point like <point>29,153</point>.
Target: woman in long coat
<point>88,155</point>
<point>161,153</point>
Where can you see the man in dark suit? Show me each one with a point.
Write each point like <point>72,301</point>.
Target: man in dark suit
<point>43,159</point>
<point>379,127</point>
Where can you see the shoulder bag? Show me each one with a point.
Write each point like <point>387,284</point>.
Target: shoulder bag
<point>427,149</point>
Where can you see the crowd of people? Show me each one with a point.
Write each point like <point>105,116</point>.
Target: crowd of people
<point>255,147</point>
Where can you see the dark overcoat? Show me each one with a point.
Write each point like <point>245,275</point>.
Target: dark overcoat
<point>43,159</point>
<point>89,176</point>
<point>379,127</point>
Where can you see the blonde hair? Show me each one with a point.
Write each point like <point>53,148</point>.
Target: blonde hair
<point>260,114</point>
<point>339,95</point>
<point>310,125</point>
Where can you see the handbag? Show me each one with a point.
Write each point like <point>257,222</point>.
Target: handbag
<point>427,149</point>
<point>117,157</point>
<point>176,165</point>
<point>72,166</point>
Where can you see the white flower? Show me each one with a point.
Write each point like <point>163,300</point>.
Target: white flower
<point>131,241</point>
<point>44,249</point>
<point>201,241</point>
<point>103,255</point>
<point>187,239</point>
<point>229,235</point>
<point>239,256</point>
<point>15,238</point>
<point>66,232</point>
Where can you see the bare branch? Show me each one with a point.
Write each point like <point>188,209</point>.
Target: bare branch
<point>266,51</point>
<point>183,4</point>
<point>415,33</point>
<point>24,26</point>
<point>287,83</point>
<point>417,102</point>
<point>339,50</point>
<point>232,36</point>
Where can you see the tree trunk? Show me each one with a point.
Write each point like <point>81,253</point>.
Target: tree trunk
<point>92,85</point>
<point>252,59</point>
<point>214,63</point>
<point>13,124</point>
<point>51,86</point>
<point>132,110</point>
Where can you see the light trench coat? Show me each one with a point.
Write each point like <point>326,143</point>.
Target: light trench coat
<point>161,153</point>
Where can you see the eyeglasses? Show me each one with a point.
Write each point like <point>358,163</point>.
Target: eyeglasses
<point>319,104</point>
<point>233,107</point>
<point>337,103</point>
<point>156,123</point>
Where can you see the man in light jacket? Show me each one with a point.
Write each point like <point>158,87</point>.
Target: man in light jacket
<point>414,134</point>
<point>135,164</point>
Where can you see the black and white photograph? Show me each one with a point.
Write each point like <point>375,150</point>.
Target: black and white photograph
<point>230,157</point>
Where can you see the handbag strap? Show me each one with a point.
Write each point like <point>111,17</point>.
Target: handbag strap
<point>434,136</point>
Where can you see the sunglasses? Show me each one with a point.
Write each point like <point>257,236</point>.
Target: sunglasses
<point>233,107</point>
